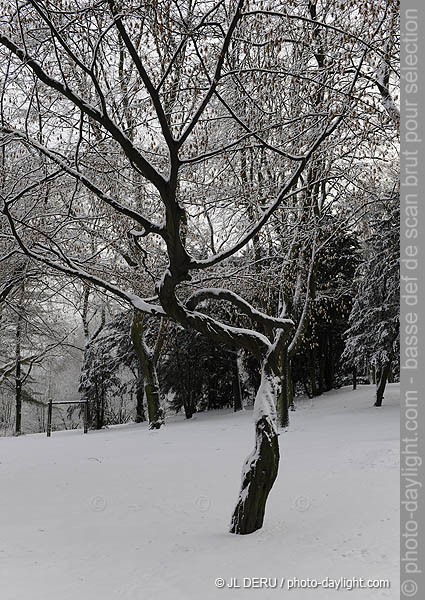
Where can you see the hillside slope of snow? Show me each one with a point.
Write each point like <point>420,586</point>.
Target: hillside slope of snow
<point>131,514</point>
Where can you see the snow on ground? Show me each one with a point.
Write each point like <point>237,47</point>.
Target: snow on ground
<point>130,514</point>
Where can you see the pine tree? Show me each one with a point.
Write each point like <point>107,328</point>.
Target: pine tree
<point>200,374</point>
<point>373,337</point>
<point>104,359</point>
<point>316,364</point>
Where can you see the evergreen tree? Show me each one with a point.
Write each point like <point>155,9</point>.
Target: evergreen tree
<point>316,364</point>
<point>101,375</point>
<point>373,337</point>
<point>200,374</point>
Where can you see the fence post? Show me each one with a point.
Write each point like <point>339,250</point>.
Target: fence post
<point>49,417</point>
<point>85,416</point>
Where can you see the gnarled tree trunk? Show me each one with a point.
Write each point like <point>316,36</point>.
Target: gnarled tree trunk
<point>261,467</point>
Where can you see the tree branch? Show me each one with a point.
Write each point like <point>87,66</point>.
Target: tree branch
<point>243,305</point>
<point>216,76</point>
<point>117,134</point>
<point>92,187</point>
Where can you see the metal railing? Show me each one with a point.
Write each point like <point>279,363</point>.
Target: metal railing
<point>50,411</point>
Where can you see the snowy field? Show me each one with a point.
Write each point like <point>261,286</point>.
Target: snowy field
<point>130,514</point>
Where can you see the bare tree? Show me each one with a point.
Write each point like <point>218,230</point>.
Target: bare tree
<point>157,85</point>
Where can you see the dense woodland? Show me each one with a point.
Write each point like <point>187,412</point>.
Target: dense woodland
<point>200,210</point>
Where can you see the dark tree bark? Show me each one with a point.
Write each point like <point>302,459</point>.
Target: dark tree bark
<point>285,398</point>
<point>312,373</point>
<point>189,409</point>
<point>382,381</point>
<point>212,397</point>
<point>261,466</point>
<point>330,366</point>
<point>18,365</point>
<point>322,360</point>
<point>354,378</point>
<point>140,396</point>
<point>99,406</point>
<point>18,377</point>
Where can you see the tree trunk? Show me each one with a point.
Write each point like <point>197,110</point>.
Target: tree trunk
<point>314,390</point>
<point>102,406</point>
<point>153,396</point>
<point>236,383</point>
<point>18,387</point>
<point>291,403</point>
<point>354,378</point>
<point>285,398</point>
<point>322,364</point>
<point>140,396</point>
<point>147,363</point>
<point>330,366</point>
<point>98,405</point>
<point>189,409</point>
<point>261,466</point>
<point>307,391</point>
<point>18,371</point>
<point>212,397</point>
<point>383,376</point>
